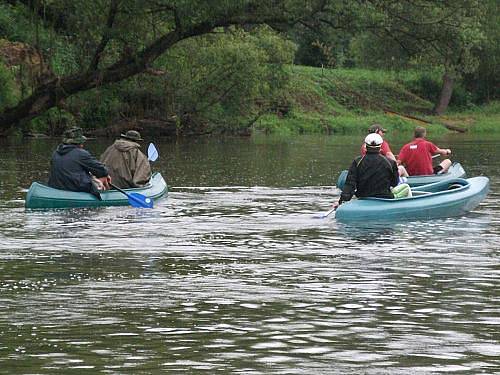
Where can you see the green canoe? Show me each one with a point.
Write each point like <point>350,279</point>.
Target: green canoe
<point>42,196</point>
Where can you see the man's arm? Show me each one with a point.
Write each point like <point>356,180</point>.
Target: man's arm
<point>92,165</point>
<point>401,156</point>
<point>443,151</point>
<point>386,151</point>
<point>389,155</point>
<point>350,183</point>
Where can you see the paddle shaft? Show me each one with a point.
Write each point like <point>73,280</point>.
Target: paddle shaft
<point>331,211</point>
<point>433,156</point>
<point>323,216</point>
<point>120,190</point>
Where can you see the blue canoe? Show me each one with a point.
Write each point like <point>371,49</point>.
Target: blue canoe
<point>42,196</point>
<point>453,197</point>
<point>456,171</point>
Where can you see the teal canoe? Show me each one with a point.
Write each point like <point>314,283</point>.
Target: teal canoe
<point>456,171</point>
<point>453,197</point>
<point>42,196</point>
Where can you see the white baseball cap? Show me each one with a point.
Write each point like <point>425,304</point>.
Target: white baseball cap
<point>373,140</point>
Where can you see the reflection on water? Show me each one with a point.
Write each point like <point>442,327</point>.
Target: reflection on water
<point>240,278</point>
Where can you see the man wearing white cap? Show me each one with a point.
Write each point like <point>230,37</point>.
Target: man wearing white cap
<point>372,175</point>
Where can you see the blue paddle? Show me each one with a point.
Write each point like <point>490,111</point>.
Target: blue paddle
<point>136,199</point>
<point>152,152</point>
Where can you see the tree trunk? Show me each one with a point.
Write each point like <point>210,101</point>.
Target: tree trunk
<point>445,96</point>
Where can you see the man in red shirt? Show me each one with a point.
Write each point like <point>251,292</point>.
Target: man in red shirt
<point>416,156</point>
<point>385,148</point>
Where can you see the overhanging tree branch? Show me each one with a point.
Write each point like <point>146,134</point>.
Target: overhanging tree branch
<point>54,91</point>
<point>106,35</point>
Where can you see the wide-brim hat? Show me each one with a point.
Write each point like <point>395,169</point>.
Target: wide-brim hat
<point>132,135</point>
<point>74,136</point>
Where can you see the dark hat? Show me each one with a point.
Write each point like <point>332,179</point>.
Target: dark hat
<point>133,135</point>
<point>73,136</point>
<point>375,128</point>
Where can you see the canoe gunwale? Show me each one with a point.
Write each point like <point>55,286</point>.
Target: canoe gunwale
<point>426,194</point>
<point>456,171</point>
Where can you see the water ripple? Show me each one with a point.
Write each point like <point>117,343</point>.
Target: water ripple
<point>244,280</point>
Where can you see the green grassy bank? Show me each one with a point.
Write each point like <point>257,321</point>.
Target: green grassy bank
<point>347,101</point>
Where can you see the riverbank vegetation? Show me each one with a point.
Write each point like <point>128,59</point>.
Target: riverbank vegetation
<point>289,67</point>
<point>347,101</point>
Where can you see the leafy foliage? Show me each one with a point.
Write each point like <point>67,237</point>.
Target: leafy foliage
<point>438,33</point>
<point>221,64</point>
<point>114,40</point>
<point>8,91</point>
<point>484,83</point>
<point>224,76</point>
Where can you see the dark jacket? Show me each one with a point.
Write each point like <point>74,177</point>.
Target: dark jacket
<point>70,169</point>
<point>128,166</point>
<point>371,175</point>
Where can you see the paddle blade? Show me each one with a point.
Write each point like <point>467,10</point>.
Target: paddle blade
<point>152,152</point>
<point>139,200</point>
<point>325,215</point>
<point>319,216</point>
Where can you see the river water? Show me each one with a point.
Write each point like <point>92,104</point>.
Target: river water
<point>231,274</point>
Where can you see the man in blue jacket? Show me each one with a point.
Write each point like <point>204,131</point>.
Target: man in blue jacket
<point>72,168</point>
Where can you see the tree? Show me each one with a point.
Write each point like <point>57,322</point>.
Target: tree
<point>446,34</point>
<point>109,41</point>
<point>7,90</point>
<point>117,39</point>
<point>485,81</point>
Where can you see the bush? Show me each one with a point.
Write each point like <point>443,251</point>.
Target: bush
<point>99,107</point>
<point>426,86</point>
<point>9,94</point>
<point>226,79</point>
<point>429,85</point>
<point>218,83</point>
<point>52,122</point>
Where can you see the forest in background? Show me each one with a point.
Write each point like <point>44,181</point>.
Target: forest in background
<point>188,67</point>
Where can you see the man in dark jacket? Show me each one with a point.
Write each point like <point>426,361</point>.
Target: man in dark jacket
<point>128,166</point>
<point>72,167</point>
<point>371,175</point>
